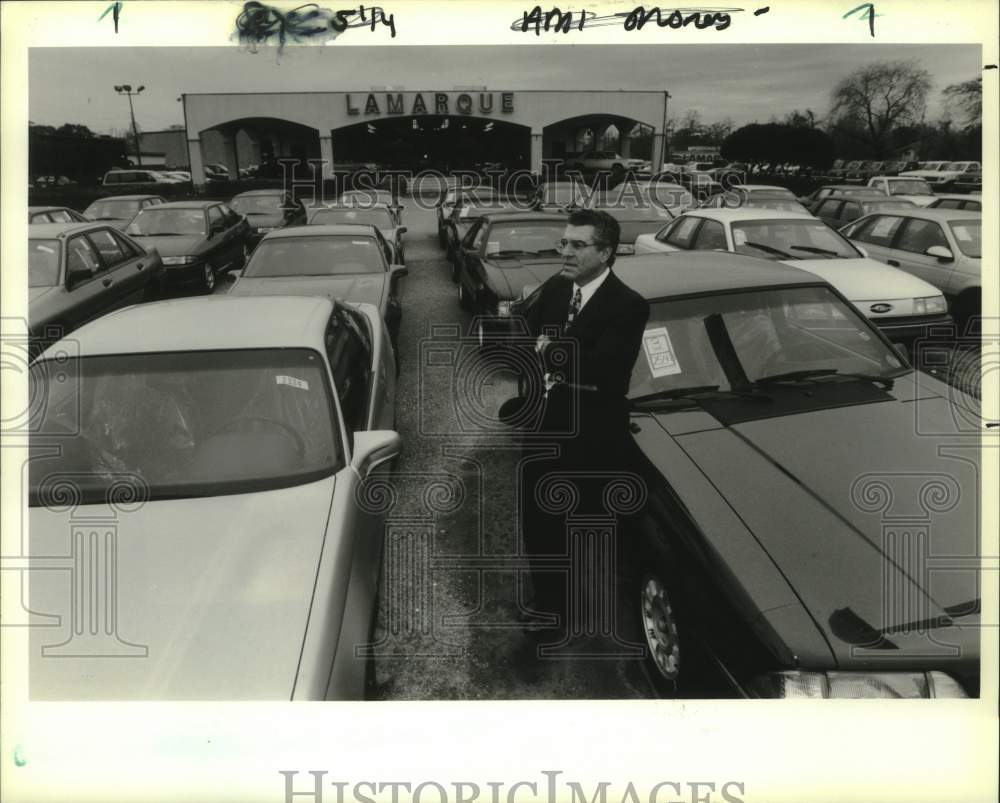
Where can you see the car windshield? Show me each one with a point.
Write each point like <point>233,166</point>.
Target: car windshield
<point>772,332</point>
<point>790,239</point>
<point>257,204</point>
<point>157,221</point>
<point>769,194</point>
<point>524,238</point>
<point>43,263</point>
<point>112,210</point>
<point>969,236</point>
<point>855,191</point>
<point>326,255</point>
<point>184,424</point>
<point>909,186</point>
<point>380,217</point>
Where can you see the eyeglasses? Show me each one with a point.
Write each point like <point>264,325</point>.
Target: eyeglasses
<point>575,245</point>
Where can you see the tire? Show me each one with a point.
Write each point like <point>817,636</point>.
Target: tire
<point>659,629</point>
<point>967,308</point>
<point>208,280</point>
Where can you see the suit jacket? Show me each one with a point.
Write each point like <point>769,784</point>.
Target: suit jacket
<point>597,350</point>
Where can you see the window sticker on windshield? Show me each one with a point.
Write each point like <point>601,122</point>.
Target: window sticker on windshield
<point>962,233</point>
<point>659,352</point>
<point>739,237</point>
<point>291,381</point>
<point>492,246</point>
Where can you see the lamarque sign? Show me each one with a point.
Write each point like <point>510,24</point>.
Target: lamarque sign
<point>435,103</point>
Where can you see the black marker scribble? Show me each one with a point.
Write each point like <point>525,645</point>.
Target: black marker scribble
<point>262,24</point>
<point>990,67</point>
<point>760,11</point>
<point>558,21</point>
<point>870,12</point>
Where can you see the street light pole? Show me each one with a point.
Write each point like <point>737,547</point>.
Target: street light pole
<point>126,89</point>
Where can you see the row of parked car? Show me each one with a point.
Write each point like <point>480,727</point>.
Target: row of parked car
<point>906,258</point>
<point>128,248</point>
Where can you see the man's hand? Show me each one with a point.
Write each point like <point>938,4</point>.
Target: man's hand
<point>542,343</point>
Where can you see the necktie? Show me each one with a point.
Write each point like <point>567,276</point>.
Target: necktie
<point>574,308</point>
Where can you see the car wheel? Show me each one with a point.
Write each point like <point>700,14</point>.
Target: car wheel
<point>968,307</point>
<point>208,279</point>
<point>659,627</point>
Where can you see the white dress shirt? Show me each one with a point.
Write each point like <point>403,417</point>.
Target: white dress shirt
<point>588,290</point>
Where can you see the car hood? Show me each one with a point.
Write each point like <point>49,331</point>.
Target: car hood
<point>508,277</point>
<point>172,246</point>
<point>367,287</point>
<point>836,535</point>
<point>863,279</point>
<point>213,597</point>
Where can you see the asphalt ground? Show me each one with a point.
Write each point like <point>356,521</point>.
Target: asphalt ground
<point>452,575</point>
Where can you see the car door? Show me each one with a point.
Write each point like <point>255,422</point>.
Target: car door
<point>89,297</point>
<point>829,212</point>
<point>238,229</point>
<point>220,249</point>
<point>121,280</point>
<point>909,251</point>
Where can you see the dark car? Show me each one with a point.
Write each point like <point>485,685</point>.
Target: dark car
<point>839,210</point>
<point>462,218</point>
<point>852,190</point>
<point>350,262</point>
<point>79,271</point>
<point>378,215</point>
<point>118,210</point>
<point>970,203</point>
<point>267,210</point>
<point>54,214</point>
<point>788,456</point>
<point>500,254</point>
<point>456,197</point>
<point>637,213</point>
<point>196,239</point>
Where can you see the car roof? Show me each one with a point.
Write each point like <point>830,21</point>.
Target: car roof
<point>356,229</point>
<point>849,187</point>
<point>49,230</point>
<point>696,272</point>
<point>743,213</point>
<point>761,187</point>
<point>209,323</point>
<point>868,199</point>
<point>939,215</point>
<point>321,207</point>
<point>272,191</point>
<point>187,204</point>
<point>525,215</point>
<point>123,198</point>
<point>956,196</point>
<point>35,209</point>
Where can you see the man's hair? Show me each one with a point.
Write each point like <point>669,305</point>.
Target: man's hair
<point>607,232</point>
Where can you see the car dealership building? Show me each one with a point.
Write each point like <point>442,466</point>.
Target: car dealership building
<point>415,129</point>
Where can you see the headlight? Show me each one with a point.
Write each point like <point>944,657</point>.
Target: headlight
<point>857,685</point>
<point>503,309</point>
<point>179,260</point>
<point>929,305</point>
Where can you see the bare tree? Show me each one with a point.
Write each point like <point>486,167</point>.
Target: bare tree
<point>872,101</point>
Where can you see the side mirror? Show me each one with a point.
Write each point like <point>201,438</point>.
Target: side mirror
<point>372,448</point>
<point>863,251</point>
<point>402,229</point>
<point>77,275</point>
<point>399,270</point>
<point>233,275</point>
<point>943,254</point>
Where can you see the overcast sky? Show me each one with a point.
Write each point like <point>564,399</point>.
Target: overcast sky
<point>742,82</point>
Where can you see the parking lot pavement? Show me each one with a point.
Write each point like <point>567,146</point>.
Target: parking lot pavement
<point>447,625</point>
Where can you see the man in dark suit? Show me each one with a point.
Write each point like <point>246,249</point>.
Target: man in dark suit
<point>589,328</point>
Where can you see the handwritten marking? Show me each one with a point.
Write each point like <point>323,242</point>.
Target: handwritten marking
<point>990,67</point>
<point>259,23</point>
<point>760,11</point>
<point>116,10</point>
<point>19,759</point>
<point>558,21</point>
<point>870,12</point>
<point>992,424</point>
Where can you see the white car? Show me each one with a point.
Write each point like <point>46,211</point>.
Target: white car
<point>941,246</point>
<point>899,304</point>
<point>946,174</point>
<point>224,447</point>
<point>609,160</point>
<point>911,188</point>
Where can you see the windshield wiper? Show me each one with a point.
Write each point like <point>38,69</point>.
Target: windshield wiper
<point>106,218</point>
<point>511,253</point>
<point>770,250</point>
<point>694,393</point>
<point>813,250</point>
<point>818,373</point>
